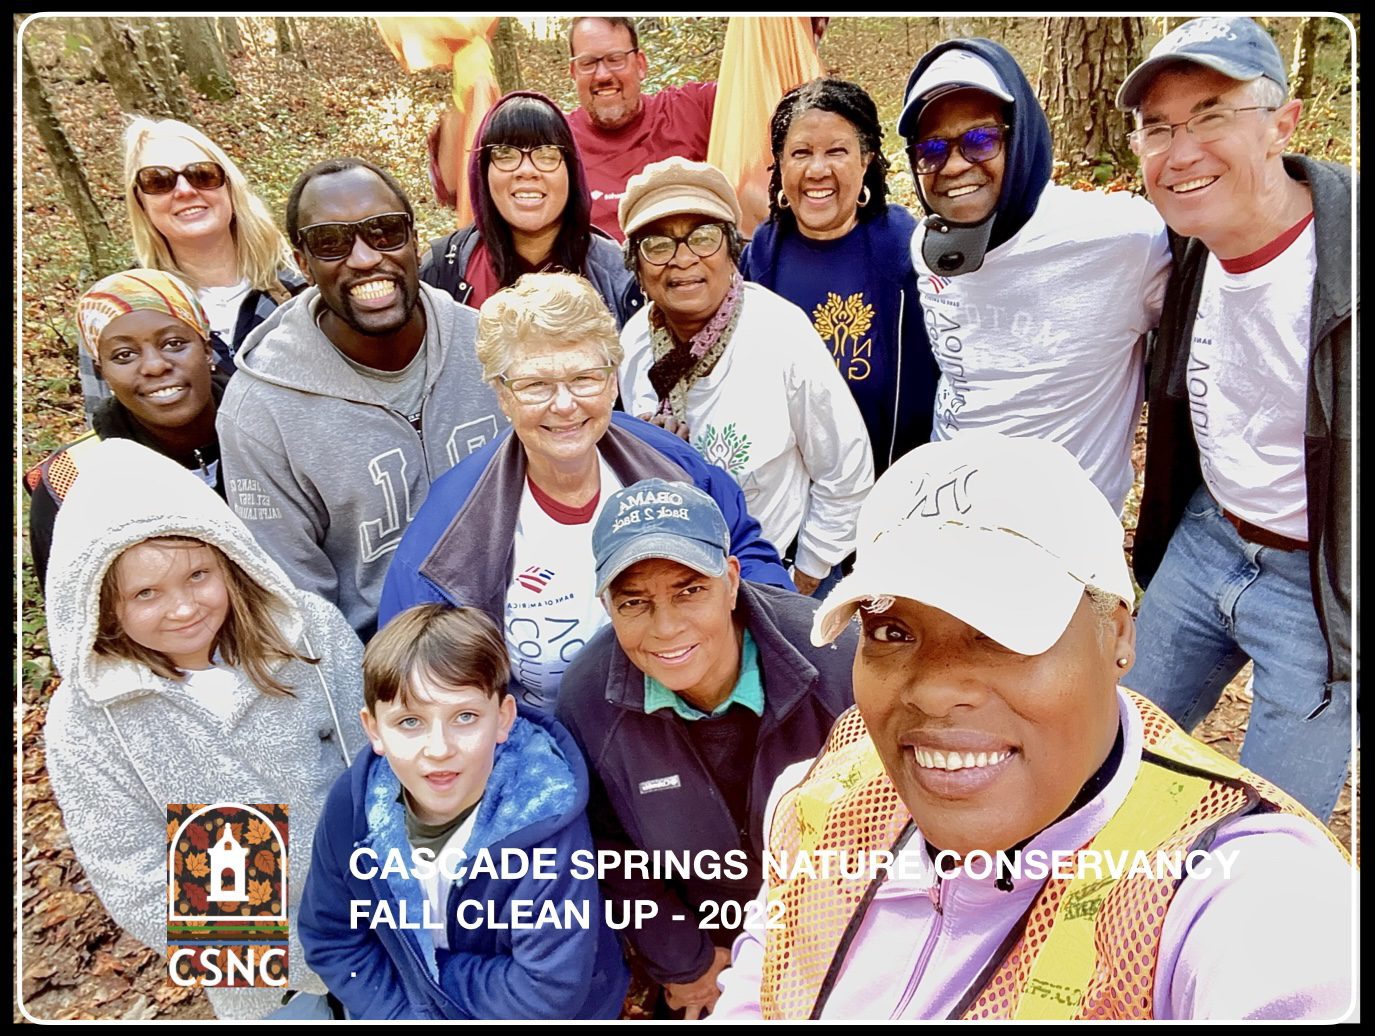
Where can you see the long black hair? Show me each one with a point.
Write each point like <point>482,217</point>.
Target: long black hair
<point>527,119</point>
<point>853,104</point>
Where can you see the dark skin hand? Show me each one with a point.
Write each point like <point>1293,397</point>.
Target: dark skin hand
<point>669,423</point>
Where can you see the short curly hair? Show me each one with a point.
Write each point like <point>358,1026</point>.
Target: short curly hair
<point>555,310</point>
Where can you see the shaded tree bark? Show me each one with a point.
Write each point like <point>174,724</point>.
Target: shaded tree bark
<point>138,68</point>
<point>229,36</point>
<point>1301,72</point>
<point>289,40</point>
<point>1084,61</point>
<point>207,67</point>
<point>506,55</point>
<point>106,255</point>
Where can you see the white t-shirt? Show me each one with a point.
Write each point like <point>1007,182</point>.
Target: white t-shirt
<point>215,688</point>
<point>1045,339</point>
<point>1248,385</point>
<point>551,607</point>
<point>436,886</point>
<point>222,307</point>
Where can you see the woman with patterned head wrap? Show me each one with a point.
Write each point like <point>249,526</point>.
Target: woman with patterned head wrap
<point>147,334</point>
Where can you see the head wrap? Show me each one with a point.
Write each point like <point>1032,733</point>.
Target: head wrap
<point>131,291</point>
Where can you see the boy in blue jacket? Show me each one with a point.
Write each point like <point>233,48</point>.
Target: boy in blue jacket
<point>458,771</point>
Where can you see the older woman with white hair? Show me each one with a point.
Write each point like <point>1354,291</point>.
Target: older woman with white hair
<point>509,529</point>
<point>739,371</point>
<point>192,214</point>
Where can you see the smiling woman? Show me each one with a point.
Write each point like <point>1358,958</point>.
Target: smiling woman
<point>531,206</point>
<point>147,334</point>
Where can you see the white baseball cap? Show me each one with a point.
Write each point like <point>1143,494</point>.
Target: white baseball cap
<point>1002,533</point>
<point>952,69</point>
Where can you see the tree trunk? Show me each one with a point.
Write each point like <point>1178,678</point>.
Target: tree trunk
<point>289,40</point>
<point>229,36</point>
<point>506,56</point>
<point>106,255</point>
<point>1301,74</point>
<point>205,61</point>
<point>1084,61</point>
<point>162,69</point>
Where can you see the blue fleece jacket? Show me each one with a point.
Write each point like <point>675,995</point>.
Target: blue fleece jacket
<point>889,367</point>
<point>536,798</point>
<point>458,548</point>
<point>1028,143</point>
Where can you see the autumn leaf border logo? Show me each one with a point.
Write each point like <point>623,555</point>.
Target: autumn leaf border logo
<point>251,908</point>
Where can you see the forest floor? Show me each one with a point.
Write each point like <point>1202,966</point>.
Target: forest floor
<point>350,97</point>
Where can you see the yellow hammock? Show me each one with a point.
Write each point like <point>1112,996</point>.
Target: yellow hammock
<point>763,59</point>
<point>463,44</point>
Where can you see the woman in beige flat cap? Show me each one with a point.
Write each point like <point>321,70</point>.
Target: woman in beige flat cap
<point>738,371</point>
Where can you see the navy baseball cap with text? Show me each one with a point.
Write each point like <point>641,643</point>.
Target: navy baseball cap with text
<point>1238,47</point>
<point>655,518</point>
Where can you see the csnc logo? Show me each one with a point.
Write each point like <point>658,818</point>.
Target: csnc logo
<point>227,894</point>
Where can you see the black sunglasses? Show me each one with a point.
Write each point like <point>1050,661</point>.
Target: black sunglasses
<point>385,233</point>
<point>162,179</point>
<point>976,145</point>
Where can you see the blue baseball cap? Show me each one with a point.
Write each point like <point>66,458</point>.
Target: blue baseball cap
<point>655,518</point>
<point>1237,47</point>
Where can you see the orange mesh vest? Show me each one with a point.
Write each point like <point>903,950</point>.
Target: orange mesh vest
<point>1089,946</point>
<point>60,469</point>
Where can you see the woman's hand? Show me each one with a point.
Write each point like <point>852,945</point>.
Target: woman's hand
<point>669,423</point>
<point>697,998</point>
<point>806,585</point>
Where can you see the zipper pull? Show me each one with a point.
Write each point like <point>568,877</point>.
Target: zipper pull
<point>205,475</point>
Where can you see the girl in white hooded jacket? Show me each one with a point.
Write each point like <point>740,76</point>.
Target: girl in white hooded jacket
<point>192,672</point>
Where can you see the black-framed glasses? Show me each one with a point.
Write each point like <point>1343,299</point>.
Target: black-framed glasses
<point>385,233</point>
<point>507,157</point>
<point>614,60</point>
<point>1206,127</point>
<point>162,179</point>
<point>536,390</point>
<point>703,241</point>
<point>979,144</point>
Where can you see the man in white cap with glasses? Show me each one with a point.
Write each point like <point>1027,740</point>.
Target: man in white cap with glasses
<point>1037,297</point>
<point>990,741</point>
<point>1244,539</point>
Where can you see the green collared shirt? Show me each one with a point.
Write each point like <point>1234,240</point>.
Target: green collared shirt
<point>748,691</point>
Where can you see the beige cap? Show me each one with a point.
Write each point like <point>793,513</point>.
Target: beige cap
<point>677,187</point>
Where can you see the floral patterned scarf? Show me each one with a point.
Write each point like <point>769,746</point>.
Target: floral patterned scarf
<point>678,364</point>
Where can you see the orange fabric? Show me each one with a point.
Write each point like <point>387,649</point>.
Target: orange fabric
<point>763,58</point>
<point>463,44</point>
<point>869,815</point>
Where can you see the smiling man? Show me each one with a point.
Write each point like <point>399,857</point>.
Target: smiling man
<point>620,130</point>
<point>700,694</point>
<point>1037,297</point>
<point>994,606</point>
<point>1245,529</point>
<point>354,396</point>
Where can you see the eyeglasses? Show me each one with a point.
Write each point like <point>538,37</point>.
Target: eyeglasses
<point>1206,127</point>
<point>582,384</point>
<point>385,233</point>
<point>979,144</point>
<point>703,241</point>
<point>162,179</point>
<point>615,61</point>
<point>507,157</point>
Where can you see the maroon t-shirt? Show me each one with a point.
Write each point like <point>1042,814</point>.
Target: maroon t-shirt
<point>675,121</point>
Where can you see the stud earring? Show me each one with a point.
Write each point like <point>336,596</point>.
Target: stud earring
<point>1123,662</point>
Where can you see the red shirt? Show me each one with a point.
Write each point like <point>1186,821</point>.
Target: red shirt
<point>675,121</point>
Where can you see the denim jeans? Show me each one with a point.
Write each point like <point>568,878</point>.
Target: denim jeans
<point>1218,600</point>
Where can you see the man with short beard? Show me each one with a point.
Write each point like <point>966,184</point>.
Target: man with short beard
<point>354,396</point>
<point>620,130</point>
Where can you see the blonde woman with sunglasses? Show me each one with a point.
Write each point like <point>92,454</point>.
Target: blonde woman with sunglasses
<point>192,214</point>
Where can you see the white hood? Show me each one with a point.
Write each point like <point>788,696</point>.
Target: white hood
<point>127,494</point>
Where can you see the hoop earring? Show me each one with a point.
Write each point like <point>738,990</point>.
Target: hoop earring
<point>782,199</point>
<point>864,197</point>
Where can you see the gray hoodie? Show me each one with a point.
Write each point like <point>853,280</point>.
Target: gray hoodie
<point>325,474</point>
<point>122,743</point>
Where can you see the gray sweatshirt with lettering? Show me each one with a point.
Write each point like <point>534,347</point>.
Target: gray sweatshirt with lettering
<point>322,470</point>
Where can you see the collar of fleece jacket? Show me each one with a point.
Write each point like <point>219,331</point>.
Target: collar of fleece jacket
<point>125,495</point>
<point>1029,152</point>
<point>532,790</point>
